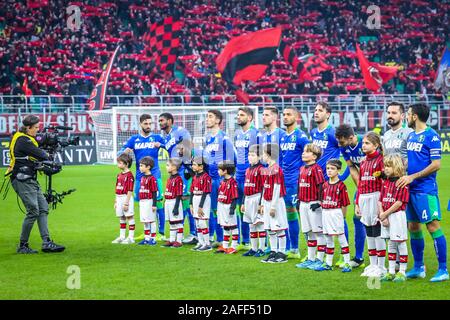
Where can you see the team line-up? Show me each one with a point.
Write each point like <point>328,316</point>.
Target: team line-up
<point>262,188</point>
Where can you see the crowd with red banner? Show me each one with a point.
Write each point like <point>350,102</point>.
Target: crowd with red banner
<point>39,55</point>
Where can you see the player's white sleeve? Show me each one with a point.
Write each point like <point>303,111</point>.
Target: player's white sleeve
<point>275,196</point>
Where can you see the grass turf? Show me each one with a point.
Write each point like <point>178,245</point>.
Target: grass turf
<point>86,225</point>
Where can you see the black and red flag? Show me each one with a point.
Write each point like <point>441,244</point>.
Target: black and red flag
<point>247,57</point>
<point>97,99</point>
<point>162,43</point>
<point>374,74</point>
<point>306,67</point>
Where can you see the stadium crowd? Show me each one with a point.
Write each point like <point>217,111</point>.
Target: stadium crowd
<point>35,43</point>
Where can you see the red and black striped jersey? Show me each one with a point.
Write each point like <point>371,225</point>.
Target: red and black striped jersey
<point>174,187</point>
<point>370,174</point>
<point>124,183</point>
<point>390,193</point>
<point>254,180</point>
<point>148,187</point>
<point>273,175</point>
<point>308,182</point>
<point>228,191</point>
<point>201,183</point>
<point>334,195</point>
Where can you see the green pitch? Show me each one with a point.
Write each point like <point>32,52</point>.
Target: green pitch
<point>86,225</point>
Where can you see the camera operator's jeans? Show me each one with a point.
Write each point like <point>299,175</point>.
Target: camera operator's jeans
<point>37,208</point>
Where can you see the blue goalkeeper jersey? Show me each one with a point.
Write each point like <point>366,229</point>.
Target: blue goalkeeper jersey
<point>326,140</point>
<point>354,154</point>
<point>218,148</point>
<point>422,148</point>
<point>173,138</point>
<point>242,142</point>
<point>292,145</point>
<point>145,146</point>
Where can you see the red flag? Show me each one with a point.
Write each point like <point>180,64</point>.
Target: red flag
<point>25,88</point>
<point>247,57</point>
<point>375,74</point>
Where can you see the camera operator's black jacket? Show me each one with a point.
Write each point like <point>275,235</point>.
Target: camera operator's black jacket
<point>24,148</point>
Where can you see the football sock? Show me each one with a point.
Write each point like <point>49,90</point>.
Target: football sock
<point>205,233</point>
<point>392,256</point>
<point>403,253</point>
<point>312,246</point>
<point>123,227</point>
<point>201,241</point>
<point>173,233</point>
<point>234,238</point>
<point>292,234</point>
<point>161,219</point>
<point>254,238</point>
<point>147,231</point>
<point>153,230</point>
<point>321,246</point>
<point>417,247</point>
<point>281,241</point>
<point>180,233</point>
<point>131,228</point>
<point>262,240</point>
<point>226,239</point>
<point>329,250</point>
<point>380,243</point>
<point>372,249</point>
<point>346,229</point>
<point>273,240</point>
<point>440,246</point>
<point>345,251</point>
<point>360,237</point>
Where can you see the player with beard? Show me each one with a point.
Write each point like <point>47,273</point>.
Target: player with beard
<point>243,140</point>
<point>292,144</point>
<point>142,145</point>
<point>395,139</point>
<point>174,135</point>
<point>424,160</point>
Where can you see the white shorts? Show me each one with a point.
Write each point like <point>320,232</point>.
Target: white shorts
<point>279,222</point>
<point>251,214</point>
<point>333,222</point>
<point>384,232</point>
<point>168,208</point>
<point>146,211</point>
<point>206,207</point>
<point>368,206</point>
<point>224,218</point>
<point>310,220</point>
<point>118,205</point>
<point>398,227</point>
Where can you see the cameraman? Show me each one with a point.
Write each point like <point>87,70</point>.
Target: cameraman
<point>25,153</point>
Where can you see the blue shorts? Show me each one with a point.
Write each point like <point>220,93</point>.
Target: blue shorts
<point>423,208</point>
<point>214,193</point>
<point>290,199</point>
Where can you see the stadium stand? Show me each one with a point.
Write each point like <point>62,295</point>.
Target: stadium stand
<point>36,44</point>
